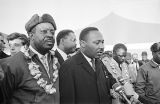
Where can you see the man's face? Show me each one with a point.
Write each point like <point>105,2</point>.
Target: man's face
<point>144,57</point>
<point>15,46</point>
<point>43,38</point>
<point>94,44</point>
<point>2,43</point>
<point>120,55</point>
<point>156,57</point>
<point>128,60</point>
<point>105,60</point>
<point>69,43</point>
<point>135,57</point>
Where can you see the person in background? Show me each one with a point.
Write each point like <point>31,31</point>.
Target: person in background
<point>147,83</point>
<point>132,70</point>
<point>16,41</point>
<point>31,77</point>
<point>66,45</point>
<point>128,58</point>
<point>144,58</point>
<point>2,46</point>
<point>83,79</point>
<point>135,61</point>
<point>119,55</point>
<point>2,55</point>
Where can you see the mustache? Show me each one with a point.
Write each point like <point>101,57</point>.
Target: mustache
<point>101,50</point>
<point>49,38</point>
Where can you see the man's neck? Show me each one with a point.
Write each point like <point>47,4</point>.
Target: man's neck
<point>36,50</point>
<point>62,49</point>
<point>41,51</point>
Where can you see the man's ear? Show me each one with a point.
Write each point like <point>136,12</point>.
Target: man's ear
<point>30,36</point>
<point>153,54</point>
<point>61,41</point>
<point>82,43</point>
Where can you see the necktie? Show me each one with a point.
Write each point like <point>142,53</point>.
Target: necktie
<point>45,64</point>
<point>137,66</point>
<point>93,64</point>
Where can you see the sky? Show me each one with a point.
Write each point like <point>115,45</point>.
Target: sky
<point>74,14</point>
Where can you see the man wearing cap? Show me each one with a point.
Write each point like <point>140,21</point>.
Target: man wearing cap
<point>31,77</point>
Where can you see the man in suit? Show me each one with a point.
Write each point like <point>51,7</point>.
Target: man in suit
<point>31,77</point>
<point>83,78</point>
<point>66,44</point>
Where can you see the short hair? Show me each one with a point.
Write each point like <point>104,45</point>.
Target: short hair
<point>62,34</point>
<point>119,46</point>
<point>107,53</point>
<point>85,31</point>
<point>155,47</point>
<point>15,35</point>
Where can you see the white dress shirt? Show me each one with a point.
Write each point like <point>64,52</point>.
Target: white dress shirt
<point>40,56</point>
<point>88,59</point>
<point>63,54</point>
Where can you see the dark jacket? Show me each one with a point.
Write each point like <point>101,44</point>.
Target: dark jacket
<point>142,62</point>
<point>60,58</point>
<point>3,55</point>
<point>19,86</point>
<point>148,84</point>
<point>79,84</point>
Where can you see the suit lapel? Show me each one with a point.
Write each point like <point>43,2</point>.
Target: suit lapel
<point>85,64</point>
<point>60,58</point>
<point>102,79</point>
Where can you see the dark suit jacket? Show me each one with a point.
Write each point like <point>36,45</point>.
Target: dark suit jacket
<point>3,55</point>
<point>79,84</point>
<point>19,86</point>
<point>60,58</point>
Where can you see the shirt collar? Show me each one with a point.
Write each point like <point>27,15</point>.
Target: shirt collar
<point>87,58</point>
<point>154,64</point>
<point>39,55</point>
<point>63,54</point>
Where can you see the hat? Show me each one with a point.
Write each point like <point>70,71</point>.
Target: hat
<point>144,53</point>
<point>35,20</point>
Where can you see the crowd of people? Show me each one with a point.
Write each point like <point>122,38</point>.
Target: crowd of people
<point>34,73</point>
